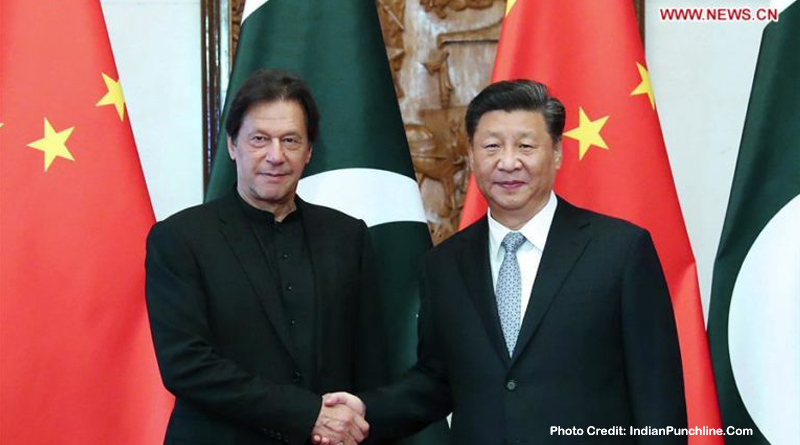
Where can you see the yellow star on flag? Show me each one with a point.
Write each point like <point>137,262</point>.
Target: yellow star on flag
<point>53,144</point>
<point>509,5</point>
<point>644,86</point>
<point>588,133</point>
<point>113,96</point>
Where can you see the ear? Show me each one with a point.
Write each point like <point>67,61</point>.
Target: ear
<point>231,149</point>
<point>470,154</point>
<point>308,155</point>
<point>557,154</point>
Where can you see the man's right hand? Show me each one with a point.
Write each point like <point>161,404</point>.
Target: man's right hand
<point>339,424</point>
<point>347,399</point>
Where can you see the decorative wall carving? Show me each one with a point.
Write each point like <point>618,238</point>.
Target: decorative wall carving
<point>237,8</point>
<point>391,14</point>
<point>440,6</point>
<point>448,50</point>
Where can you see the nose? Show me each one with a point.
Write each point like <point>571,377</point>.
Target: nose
<point>509,160</point>
<point>275,152</point>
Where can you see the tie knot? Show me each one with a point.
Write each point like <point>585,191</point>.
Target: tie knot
<point>512,241</point>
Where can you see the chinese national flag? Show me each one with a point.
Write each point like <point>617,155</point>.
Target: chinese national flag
<point>77,363</point>
<point>589,53</point>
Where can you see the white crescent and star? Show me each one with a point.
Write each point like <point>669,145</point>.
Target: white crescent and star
<point>763,327</point>
<point>375,196</point>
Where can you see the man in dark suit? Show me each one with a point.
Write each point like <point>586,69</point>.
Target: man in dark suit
<point>542,322</point>
<point>260,302</point>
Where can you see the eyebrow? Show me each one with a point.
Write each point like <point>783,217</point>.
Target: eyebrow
<point>290,133</point>
<point>529,134</point>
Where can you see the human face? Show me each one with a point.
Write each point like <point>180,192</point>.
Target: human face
<point>514,161</point>
<point>271,151</point>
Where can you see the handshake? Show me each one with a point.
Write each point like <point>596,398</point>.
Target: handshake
<point>341,420</point>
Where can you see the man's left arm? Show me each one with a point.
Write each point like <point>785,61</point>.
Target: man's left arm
<point>650,340</point>
<point>371,367</point>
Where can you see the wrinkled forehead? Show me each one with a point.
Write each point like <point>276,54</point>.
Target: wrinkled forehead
<point>517,123</point>
<point>276,112</point>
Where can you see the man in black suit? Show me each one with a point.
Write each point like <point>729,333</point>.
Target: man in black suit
<point>541,319</point>
<point>260,302</point>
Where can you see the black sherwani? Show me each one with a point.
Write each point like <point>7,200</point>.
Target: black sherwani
<point>222,337</point>
<point>598,344</point>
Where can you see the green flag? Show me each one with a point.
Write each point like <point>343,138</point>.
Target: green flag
<point>754,319</point>
<point>361,163</point>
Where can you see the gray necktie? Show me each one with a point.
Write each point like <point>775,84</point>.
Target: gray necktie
<point>509,292</point>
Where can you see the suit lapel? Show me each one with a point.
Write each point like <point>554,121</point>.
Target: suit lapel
<point>239,234</point>
<point>477,275</point>
<point>565,244</point>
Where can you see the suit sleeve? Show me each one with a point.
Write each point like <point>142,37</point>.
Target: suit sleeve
<point>192,368</point>
<point>371,367</point>
<point>422,395</point>
<point>650,340</point>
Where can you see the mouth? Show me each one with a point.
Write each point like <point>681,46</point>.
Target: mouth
<point>510,184</point>
<point>271,176</point>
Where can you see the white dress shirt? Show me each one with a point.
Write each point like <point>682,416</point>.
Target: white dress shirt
<point>529,254</point>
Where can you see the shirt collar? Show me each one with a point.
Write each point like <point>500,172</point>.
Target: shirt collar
<point>264,216</point>
<point>535,230</point>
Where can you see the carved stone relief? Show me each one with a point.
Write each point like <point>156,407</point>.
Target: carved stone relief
<point>448,49</point>
<point>237,8</point>
<point>440,6</point>
<point>391,14</point>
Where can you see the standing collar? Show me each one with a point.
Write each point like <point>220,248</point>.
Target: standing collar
<point>258,215</point>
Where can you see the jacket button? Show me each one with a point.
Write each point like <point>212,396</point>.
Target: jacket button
<point>511,385</point>
<point>297,377</point>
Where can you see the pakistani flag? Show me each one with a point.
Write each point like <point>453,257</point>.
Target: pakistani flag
<point>361,164</point>
<point>754,321</point>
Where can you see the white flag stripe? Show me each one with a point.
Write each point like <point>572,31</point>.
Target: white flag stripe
<point>250,6</point>
<point>763,328</point>
<point>376,196</point>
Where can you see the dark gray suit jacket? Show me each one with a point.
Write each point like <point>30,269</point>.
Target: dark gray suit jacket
<point>222,338</point>
<point>598,344</point>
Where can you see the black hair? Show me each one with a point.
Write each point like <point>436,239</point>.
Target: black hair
<point>513,95</point>
<point>271,86</point>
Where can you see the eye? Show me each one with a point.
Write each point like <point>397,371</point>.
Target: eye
<point>258,140</point>
<point>492,146</point>
<point>526,147</point>
<point>291,142</point>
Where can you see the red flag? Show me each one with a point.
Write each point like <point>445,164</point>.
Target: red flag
<point>78,365</point>
<point>589,53</point>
